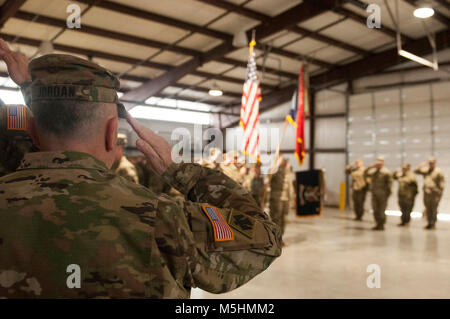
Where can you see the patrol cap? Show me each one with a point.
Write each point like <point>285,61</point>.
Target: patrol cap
<point>406,166</point>
<point>432,159</point>
<point>379,160</point>
<point>66,77</point>
<point>214,150</point>
<point>232,154</point>
<point>14,120</point>
<point>122,139</point>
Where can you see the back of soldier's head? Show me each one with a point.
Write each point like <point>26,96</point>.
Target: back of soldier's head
<point>70,96</point>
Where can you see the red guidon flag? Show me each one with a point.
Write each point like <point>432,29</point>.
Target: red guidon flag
<point>300,108</point>
<point>251,97</point>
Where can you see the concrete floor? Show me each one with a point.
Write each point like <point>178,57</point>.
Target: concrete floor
<point>327,257</point>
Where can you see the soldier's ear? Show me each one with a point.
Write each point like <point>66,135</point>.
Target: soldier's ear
<point>32,131</point>
<point>111,134</point>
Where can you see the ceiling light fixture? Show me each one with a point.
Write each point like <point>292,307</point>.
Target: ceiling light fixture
<point>424,12</point>
<point>215,90</point>
<point>418,59</point>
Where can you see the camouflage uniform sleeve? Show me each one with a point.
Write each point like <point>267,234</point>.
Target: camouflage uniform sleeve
<point>420,170</point>
<point>219,266</point>
<point>368,172</point>
<point>389,181</point>
<point>441,182</point>
<point>25,88</point>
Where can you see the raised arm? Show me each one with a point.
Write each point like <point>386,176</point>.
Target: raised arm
<point>17,64</point>
<point>421,169</point>
<point>225,238</point>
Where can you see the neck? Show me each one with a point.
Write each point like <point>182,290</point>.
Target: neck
<point>93,149</point>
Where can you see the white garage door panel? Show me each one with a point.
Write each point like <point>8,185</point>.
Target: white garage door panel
<point>363,114</point>
<point>416,94</point>
<point>360,101</point>
<point>417,110</point>
<point>441,91</point>
<point>442,108</point>
<point>332,164</point>
<point>330,133</point>
<point>387,112</point>
<point>328,102</point>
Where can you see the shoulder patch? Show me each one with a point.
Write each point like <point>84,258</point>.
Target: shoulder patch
<point>17,117</point>
<point>242,223</point>
<point>222,231</point>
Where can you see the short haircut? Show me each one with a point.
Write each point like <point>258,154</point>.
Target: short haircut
<point>67,118</point>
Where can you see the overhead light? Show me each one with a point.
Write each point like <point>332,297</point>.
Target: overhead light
<point>424,12</point>
<point>240,39</point>
<point>168,115</point>
<point>418,59</point>
<point>46,47</point>
<point>215,90</point>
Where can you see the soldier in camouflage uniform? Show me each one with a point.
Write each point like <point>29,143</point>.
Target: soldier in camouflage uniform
<point>230,168</point>
<point>280,194</point>
<point>214,158</point>
<point>15,142</point>
<point>257,184</point>
<point>123,167</point>
<point>65,207</point>
<point>433,188</point>
<point>139,162</point>
<point>407,192</point>
<point>380,187</point>
<point>359,187</point>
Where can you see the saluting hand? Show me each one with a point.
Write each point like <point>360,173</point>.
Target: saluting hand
<point>16,62</point>
<point>154,147</point>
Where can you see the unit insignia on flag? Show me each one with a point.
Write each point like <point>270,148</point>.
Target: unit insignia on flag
<point>222,231</point>
<point>17,117</point>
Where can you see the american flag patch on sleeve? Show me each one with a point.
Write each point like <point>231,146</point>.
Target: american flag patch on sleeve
<point>222,231</point>
<point>17,117</point>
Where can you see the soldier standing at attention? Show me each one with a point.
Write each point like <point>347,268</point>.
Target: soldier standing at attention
<point>257,184</point>
<point>407,192</point>
<point>63,206</point>
<point>359,187</point>
<point>123,167</point>
<point>380,187</point>
<point>433,188</point>
<point>280,190</point>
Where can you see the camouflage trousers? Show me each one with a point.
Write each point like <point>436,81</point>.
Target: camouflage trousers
<point>406,206</point>
<point>279,209</point>
<point>379,204</point>
<point>359,197</point>
<point>431,202</point>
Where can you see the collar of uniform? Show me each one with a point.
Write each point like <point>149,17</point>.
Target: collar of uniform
<point>61,160</point>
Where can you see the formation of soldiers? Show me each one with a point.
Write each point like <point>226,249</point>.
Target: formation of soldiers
<point>61,205</point>
<point>378,179</point>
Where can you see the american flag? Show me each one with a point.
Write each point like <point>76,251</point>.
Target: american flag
<point>251,97</point>
<point>222,231</point>
<point>17,117</point>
